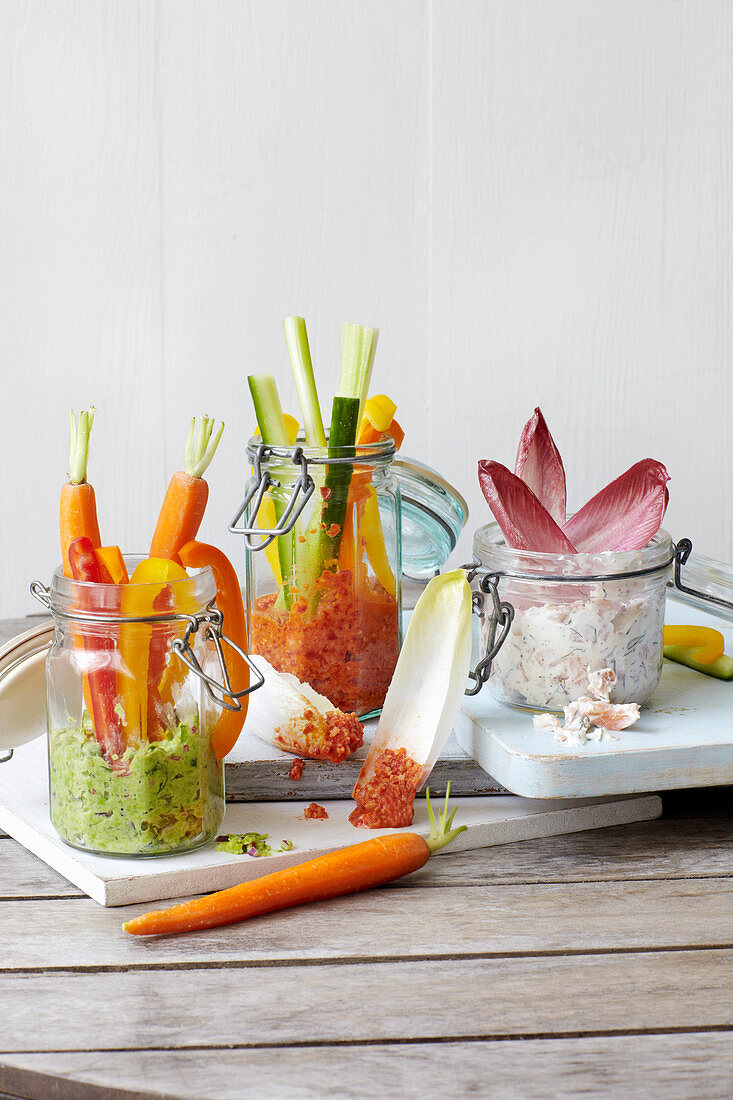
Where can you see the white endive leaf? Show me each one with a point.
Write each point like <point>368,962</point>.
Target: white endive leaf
<point>293,716</point>
<point>280,704</point>
<point>431,675</point>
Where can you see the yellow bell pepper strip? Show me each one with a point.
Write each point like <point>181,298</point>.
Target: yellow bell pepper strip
<point>378,420</point>
<point>704,643</point>
<point>291,429</point>
<point>372,535</point>
<point>110,558</point>
<point>266,515</point>
<point>377,416</point>
<point>197,555</point>
<point>142,597</point>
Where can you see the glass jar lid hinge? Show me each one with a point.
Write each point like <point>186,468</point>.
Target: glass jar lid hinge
<point>502,616</point>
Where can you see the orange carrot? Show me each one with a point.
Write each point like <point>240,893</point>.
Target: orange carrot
<point>185,499</point>
<point>346,871</point>
<point>197,555</point>
<point>78,506</point>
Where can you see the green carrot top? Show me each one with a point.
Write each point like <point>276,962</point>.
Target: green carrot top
<point>201,448</point>
<point>442,831</point>
<point>79,449</point>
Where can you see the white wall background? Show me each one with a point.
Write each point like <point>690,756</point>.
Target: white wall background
<point>531,198</point>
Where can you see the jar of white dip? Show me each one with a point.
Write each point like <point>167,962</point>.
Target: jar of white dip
<point>573,614</point>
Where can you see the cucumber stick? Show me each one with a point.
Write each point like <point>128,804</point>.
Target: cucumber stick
<point>721,668</point>
<point>341,444</point>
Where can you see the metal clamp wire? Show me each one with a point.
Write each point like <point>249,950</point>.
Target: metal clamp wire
<point>683,549</point>
<point>259,538</point>
<point>502,616</point>
<point>260,483</point>
<point>220,693</point>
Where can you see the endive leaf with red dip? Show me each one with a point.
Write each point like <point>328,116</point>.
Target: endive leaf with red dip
<point>624,515</point>
<point>540,467</point>
<point>525,522</point>
<point>421,705</point>
<point>293,716</point>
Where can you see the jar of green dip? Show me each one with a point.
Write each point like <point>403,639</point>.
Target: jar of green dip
<point>133,696</point>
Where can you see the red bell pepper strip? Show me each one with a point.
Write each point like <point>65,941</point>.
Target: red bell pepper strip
<point>100,689</point>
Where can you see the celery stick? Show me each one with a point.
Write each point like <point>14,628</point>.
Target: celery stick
<point>358,347</point>
<point>269,413</point>
<point>296,337</point>
<point>721,668</point>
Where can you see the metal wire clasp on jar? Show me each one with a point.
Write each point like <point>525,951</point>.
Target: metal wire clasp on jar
<point>556,617</point>
<point>132,705</point>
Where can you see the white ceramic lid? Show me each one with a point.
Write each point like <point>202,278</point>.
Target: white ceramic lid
<point>23,687</point>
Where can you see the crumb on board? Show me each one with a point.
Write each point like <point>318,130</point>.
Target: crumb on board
<point>296,769</point>
<point>314,812</point>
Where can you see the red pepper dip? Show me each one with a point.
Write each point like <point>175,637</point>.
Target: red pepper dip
<point>387,800</point>
<point>347,649</point>
<point>296,770</point>
<point>314,812</point>
<point>332,736</point>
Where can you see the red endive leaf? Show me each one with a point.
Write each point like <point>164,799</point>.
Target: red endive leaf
<point>525,522</point>
<point>540,467</point>
<point>624,515</point>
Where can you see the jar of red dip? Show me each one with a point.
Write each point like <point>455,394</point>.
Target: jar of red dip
<point>323,527</point>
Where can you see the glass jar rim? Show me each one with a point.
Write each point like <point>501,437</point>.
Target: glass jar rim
<point>198,590</point>
<point>381,451</point>
<point>495,556</point>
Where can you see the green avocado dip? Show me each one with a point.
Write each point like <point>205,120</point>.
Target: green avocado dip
<point>166,796</point>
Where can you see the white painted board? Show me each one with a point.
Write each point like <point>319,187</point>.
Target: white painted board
<point>684,738</point>
<point>498,820</point>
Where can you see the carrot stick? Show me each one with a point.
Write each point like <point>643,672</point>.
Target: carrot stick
<point>185,499</point>
<point>78,506</point>
<point>196,555</point>
<point>346,871</point>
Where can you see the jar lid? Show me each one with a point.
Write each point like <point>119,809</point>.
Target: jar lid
<point>433,515</point>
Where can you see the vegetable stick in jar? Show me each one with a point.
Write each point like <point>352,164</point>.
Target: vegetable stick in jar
<point>187,494</point>
<point>78,505</point>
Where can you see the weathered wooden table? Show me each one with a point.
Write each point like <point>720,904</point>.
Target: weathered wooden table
<point>608,954</point>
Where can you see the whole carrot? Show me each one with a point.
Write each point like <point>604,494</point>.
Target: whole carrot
<point>346,871</point>
<point>187,494</point>
<point>78,505</point>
